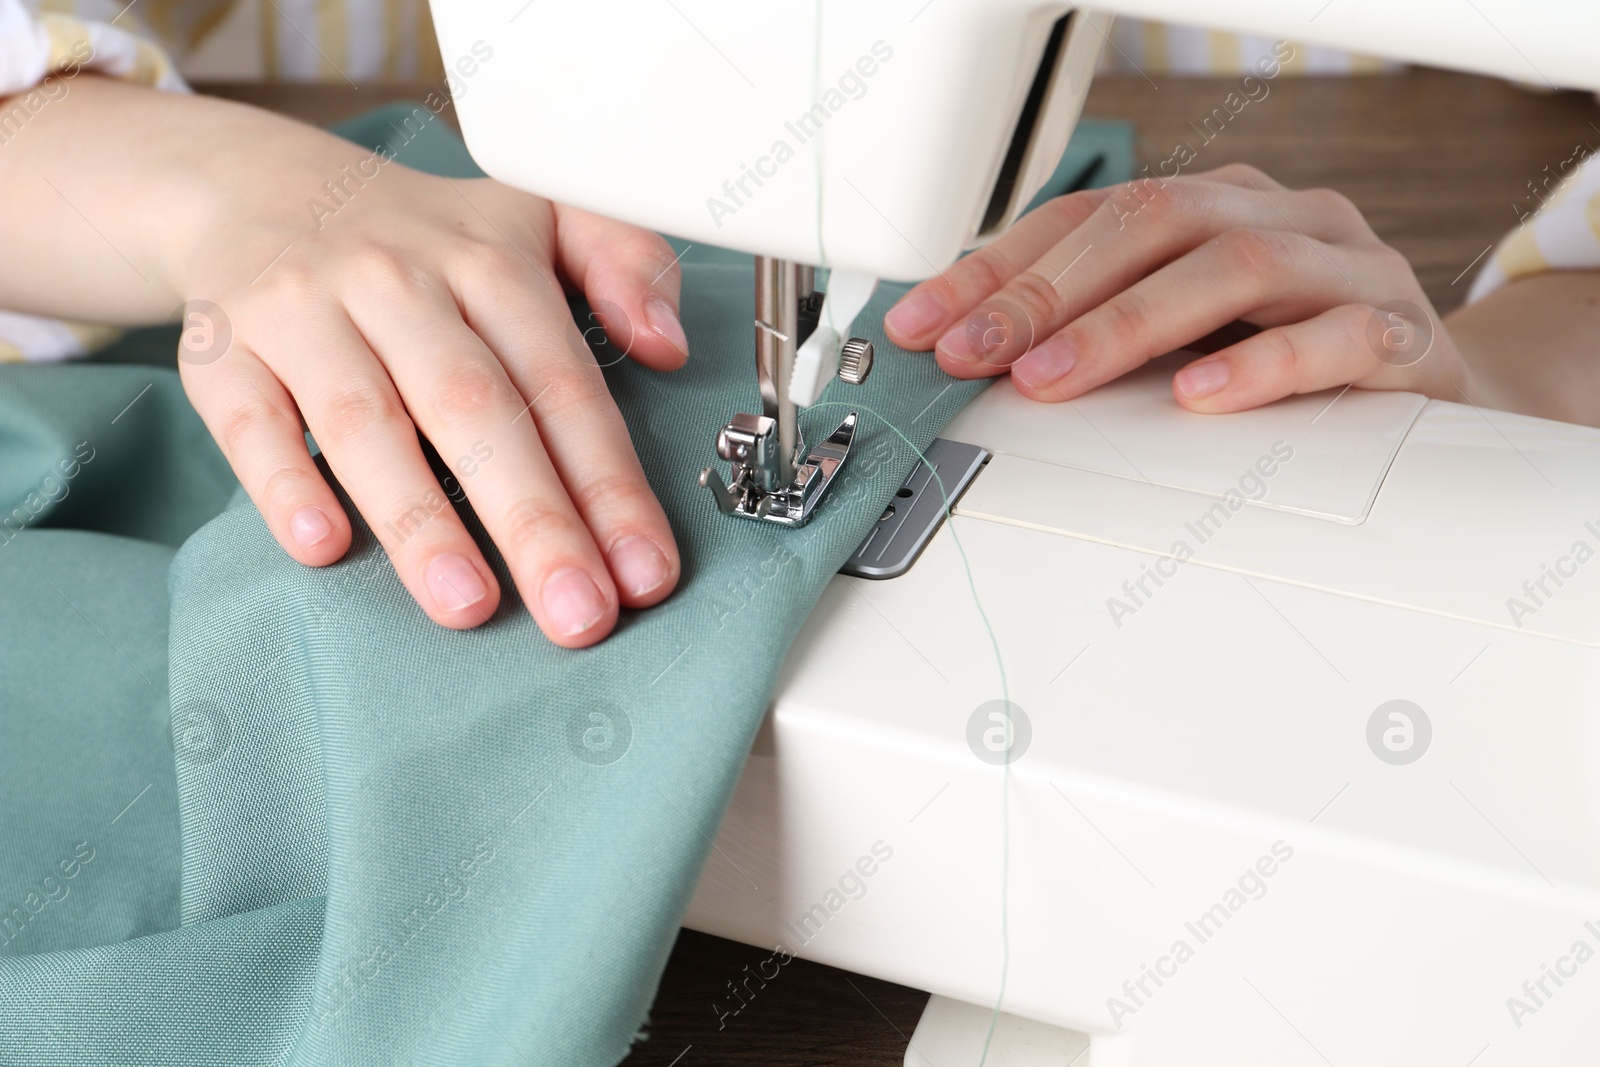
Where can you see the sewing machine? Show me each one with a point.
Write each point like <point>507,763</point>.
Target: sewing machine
<point>1295,758</point>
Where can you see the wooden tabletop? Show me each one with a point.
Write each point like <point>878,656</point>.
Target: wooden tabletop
<point>1437,162</point>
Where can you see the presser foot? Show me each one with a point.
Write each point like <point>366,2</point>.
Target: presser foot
<point>774,476</point>
<point>749,442</point>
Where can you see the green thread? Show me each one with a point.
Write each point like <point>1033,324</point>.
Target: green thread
<point>1005,694</point>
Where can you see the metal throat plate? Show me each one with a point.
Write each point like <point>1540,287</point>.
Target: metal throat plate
<point>917,510</point>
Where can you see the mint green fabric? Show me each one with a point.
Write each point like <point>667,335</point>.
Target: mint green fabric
<point>255,813</point>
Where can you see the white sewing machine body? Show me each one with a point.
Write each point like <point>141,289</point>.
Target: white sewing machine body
<point>880,136</point>
<point>801,146</point>
<point>1200,736</point>
<point>1192,733</point>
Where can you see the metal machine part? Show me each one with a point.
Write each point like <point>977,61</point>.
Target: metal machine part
<point>773,476</point>
<point>917,510</point>
<point>855,360</point>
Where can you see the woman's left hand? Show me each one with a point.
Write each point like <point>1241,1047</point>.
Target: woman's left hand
<point>1093,284</point>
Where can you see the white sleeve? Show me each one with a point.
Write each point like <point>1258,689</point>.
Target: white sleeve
<point>1560,227</point>
<point>37,46</point>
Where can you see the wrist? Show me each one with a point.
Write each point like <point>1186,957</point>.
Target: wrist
<point>243,203</point>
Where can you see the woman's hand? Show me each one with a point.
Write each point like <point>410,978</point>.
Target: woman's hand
<point>324,287</point>
<point>1091,285</point>
<point>425,305</point>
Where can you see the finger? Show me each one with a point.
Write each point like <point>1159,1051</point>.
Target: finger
<point>567,401</point>
<point>1263,276</point>
<point>631,280</point>
<point>1329,350</point>
<point>371,443</point>
<point>1145,225</point>
<point>258,427</point>
<point>1241,174</point>
<point>461,398</point>
<point>920,316</point>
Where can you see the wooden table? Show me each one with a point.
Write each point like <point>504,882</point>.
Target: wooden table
<point>1436,161</point>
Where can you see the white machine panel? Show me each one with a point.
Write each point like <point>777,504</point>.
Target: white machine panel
<point>1341,451</point>
<point>1227,715</point>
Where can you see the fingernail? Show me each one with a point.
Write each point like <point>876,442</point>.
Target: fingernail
<point>454,582</point>
<point>1203,378</point>
<point>309,526</point>
<point>1046,364</point>
<point>664,321</point>
<point>572,601</point>
<point>915,314</point>
<point>970,341</point>
<point>638,565</point>
<point>984,331</point>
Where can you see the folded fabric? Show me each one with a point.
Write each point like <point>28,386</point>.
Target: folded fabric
<point>256,813</point>
<point>365,838</point>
